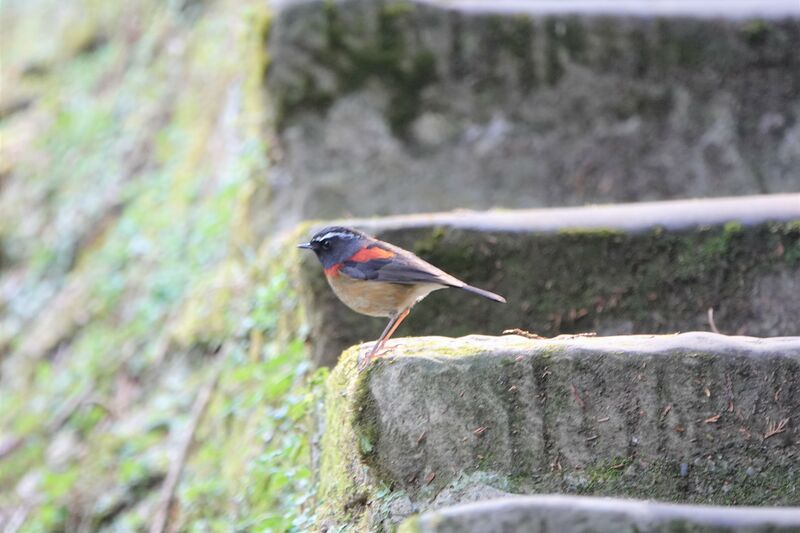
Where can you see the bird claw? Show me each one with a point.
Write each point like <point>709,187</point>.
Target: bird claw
<point>364,361</point>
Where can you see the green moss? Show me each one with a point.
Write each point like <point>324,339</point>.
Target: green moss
<point>550,350</point>
<point>605,474</point>
<point>787,241</point>
<point>384,58</point>
<point>410,525</point>
<point>640,45</point>
<point>519,39</point>
<point>344,487</point>
<point>773,486</point>
<point>398,8</point>
<point>429,241</point>
<point>689,49</point>
<point>662,480</point>
<point>756,32</point>
<point>574,38</point>
<point>449,348</point>
<point>554,70</point>
<point>595,232</point>
<point>365,422</point>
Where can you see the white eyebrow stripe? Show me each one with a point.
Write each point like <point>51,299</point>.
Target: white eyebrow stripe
<point>335,234</point>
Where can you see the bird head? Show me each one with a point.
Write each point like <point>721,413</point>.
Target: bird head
<point>336,244</point>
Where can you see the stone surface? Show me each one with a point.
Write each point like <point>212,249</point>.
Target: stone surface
<point>638,268</point>
<point>558,514</point>
<point>694,418</point>
<point>392,106</point>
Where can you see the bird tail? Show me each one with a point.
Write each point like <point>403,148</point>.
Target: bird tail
<point>485,294</point>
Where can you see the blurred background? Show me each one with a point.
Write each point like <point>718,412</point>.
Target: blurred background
<point>154,155</point>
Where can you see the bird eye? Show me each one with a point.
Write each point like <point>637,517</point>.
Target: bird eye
<point>326,245</point>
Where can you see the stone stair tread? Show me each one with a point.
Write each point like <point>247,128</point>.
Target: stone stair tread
<point>633,217</point>
<point>389,107</point>
<point>694,417</point>
<point>654,267</point>
<point>576,514</point>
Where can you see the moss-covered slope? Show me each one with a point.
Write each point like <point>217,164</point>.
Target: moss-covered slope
<point>132,285</point>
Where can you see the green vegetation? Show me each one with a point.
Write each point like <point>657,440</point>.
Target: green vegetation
<point>344,484</point>
<point>125,231</point>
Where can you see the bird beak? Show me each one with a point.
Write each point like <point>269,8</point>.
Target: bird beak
<point>305,245</point>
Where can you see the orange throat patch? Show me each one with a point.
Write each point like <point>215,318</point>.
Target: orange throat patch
<point>333,270</point>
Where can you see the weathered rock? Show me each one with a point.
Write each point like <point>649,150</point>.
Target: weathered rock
<point>694,418</point>
<point>638,268</point>
<point>392,106</point>
<point>557,514</point>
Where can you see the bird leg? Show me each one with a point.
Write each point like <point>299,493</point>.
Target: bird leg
<point>390,328</point>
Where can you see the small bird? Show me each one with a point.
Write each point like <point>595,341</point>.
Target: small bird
<point>376,278</point>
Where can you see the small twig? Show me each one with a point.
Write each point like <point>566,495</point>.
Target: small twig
<point>712,419</point>
<point>577,397</point>
<point>176,468</point>
<point>711,320</point>
<point>69,408</point>
<point>775,428</point>
<point>729,391</point>
<point>565,336</point>
<point>523,333</point>
<point>9,445</point>
<point>95,402</point>
<point>17,519</point>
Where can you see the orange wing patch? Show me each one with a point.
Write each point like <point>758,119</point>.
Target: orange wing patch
<point>369,253</point>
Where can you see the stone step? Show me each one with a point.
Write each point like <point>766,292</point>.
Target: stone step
<point>694,418</point>
<point>633,268</point>
<point>395,106</point>
<point>574,514</point>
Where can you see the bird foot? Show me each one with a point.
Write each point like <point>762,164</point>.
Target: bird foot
<point>364,361</point>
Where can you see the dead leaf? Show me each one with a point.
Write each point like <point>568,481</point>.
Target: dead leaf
<point>774,428</point>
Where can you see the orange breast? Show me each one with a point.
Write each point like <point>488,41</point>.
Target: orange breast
<point>377,298</point>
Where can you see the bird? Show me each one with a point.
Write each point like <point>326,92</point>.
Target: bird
<point>375,278</point>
